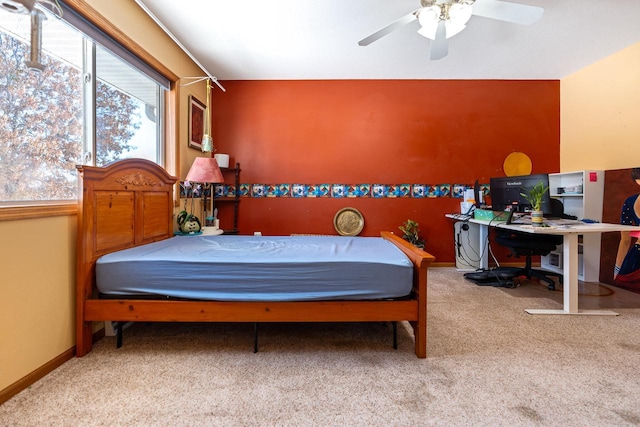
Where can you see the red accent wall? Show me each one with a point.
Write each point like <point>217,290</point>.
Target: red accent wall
<point>379,131</point>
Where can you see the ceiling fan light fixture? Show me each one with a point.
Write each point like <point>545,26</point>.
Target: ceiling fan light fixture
<point>455,16</point>
<point>460,12</point>
<point>459,15</point>
<point>428,19</point>
<point>453,28</point>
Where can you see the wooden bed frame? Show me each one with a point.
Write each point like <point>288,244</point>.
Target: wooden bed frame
<point>130,203</point>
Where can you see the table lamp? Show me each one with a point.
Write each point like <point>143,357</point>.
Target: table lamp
<point>205,170</point>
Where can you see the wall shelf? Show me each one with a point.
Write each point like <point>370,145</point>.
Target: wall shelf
<point>587,204</point>
<point>235,199</point>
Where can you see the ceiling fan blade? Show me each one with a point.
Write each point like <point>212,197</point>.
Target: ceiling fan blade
<point>509,12</point>
<point>389,28</point>
<point>440,46</point>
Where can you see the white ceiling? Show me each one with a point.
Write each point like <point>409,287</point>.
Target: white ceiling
<point>318,39</point>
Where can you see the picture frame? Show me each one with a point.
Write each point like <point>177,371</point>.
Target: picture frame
<point>197,111</point>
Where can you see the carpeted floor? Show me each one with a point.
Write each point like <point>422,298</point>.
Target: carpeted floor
<point>488,363</point>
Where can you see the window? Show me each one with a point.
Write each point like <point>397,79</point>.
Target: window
<point>127,105</point>
<point>93,103</point>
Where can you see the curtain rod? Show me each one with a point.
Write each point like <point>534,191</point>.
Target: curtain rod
<point>184,49</point>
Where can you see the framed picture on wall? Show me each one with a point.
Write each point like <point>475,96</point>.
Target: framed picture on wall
<point>196,122</point>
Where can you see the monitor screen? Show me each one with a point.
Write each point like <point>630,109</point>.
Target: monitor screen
<point>506,193</point>
<point>477,194</point>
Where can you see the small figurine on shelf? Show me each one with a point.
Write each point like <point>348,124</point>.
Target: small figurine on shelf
<point>212,224</point>
<point>188,222</point>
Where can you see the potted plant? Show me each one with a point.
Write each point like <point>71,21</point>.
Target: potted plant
<point>534,197</point>
<point>411,233</point>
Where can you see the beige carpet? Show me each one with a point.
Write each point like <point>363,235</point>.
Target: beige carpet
<point>489,363</point>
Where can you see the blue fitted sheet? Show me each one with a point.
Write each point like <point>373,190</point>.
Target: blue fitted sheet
<point>257,268</point>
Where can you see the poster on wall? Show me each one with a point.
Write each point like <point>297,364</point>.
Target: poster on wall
<point>196,122</point>
<point>620,252</point>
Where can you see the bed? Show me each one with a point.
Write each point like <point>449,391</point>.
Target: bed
<point>127,207</point>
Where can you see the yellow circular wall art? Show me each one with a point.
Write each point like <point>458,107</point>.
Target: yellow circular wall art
<point>516,164</point>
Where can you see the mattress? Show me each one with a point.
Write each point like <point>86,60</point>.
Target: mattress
<point>259,268</point>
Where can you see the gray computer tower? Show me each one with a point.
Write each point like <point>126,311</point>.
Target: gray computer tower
<point>468,246</point>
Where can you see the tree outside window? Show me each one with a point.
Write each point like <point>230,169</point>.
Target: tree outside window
<point>41,113</point>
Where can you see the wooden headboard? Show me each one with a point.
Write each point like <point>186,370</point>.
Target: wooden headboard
<point>121,205</point>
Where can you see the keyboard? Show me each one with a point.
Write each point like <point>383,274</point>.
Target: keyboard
<point>525,219</point>
<point>461,216</point>
<point>562,221</point>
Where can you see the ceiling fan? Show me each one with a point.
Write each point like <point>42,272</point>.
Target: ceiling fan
<point>442,19</point>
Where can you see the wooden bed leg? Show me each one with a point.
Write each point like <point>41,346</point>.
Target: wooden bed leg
<point>420,333</point>
<point>84,338</point>
<point>255,337</point>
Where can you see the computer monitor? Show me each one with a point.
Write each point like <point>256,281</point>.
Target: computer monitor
<point>477,194</point>
<point>506,193</point>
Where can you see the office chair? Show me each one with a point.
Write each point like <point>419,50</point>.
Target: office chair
<point>529,245</point>
<point>557,210</point>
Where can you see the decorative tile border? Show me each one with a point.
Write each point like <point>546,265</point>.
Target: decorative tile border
<point>336,191</point>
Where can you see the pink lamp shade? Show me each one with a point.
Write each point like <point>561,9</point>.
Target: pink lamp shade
<point>204,169</point>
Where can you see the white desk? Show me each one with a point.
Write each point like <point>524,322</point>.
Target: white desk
<point>570,258</point>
